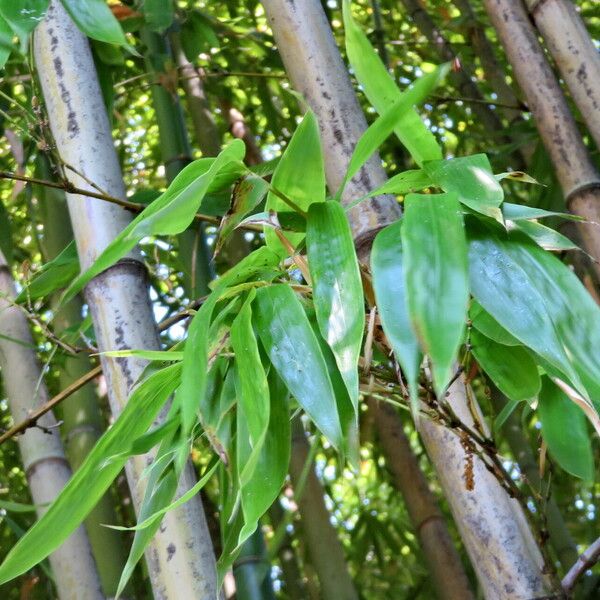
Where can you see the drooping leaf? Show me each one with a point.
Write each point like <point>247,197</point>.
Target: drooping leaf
<point>169,214</point>
<point>54,275</point>
<point>565,431</point>
<point>518,212</point>
<point>299,175</point>
<point>96,20</point>
<point>511,368</point>
<point>93,478</point>
<point>286,335</point>
<point>252,389</point>
<point>271,464</point>
<point>390,294</point>
<point>545,237</point>
<point>436,276</point>
<point>195,361</point>
<point>23,16</point>
<point>382,92</point>
<point>472,179</point>
<point>389,119</point>
<point>486,324</point>
<point>508,293</point>
<point>406,182</point>
<point>337,288</point>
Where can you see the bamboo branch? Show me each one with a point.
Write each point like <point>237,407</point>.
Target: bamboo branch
<point>589,558</point>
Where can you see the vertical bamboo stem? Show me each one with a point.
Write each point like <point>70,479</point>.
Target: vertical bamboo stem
<point>325,549</point>
<point>576,57</point>
<point>180,556</point>
<point>576,173</point>
<point>82,421</point>
<point>44,461</point>
<point>489,517</point>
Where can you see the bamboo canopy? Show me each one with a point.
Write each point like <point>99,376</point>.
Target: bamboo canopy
<point>574,53</point>
<point>44,461</point>
<point>180,557</point>
<point>579,179</point>
<point>316,70</point>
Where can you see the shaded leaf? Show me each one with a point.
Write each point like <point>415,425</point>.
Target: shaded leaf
<point>565,431</point>
<point>96,20</point>
<point>390,294</point>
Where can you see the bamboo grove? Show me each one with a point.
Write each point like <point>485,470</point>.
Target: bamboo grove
<point>299,299</point>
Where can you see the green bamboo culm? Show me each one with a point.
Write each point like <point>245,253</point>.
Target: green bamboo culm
<point>252,577</point>
<point>82,420</point>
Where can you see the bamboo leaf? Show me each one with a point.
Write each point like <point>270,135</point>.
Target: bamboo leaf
<point>486,324</point>
<point>510,295</point>
<point>271,464</point>
<point>390,294</point>
<point>382,92</point>
<point>472,179</point>
<point>195,355</point>
<point>94,476</point>
<point>436,276</point>
<point>96,20</point>
<point>299,175</point>
<point>518,212</point>
<point>565,431</point>
<point>23,16</point>
<point>287,337</point>
<point>169,214</point>
<point>158,14</point>
<point>337,288</point>
<point>389,119</point>
<point>545,237</point>
<point>159,355</point>
<point>6,41</point>
<point>511,368</point>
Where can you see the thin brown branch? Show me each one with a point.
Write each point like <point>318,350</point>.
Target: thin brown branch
<point>588,559</point>
<point>521,107</point>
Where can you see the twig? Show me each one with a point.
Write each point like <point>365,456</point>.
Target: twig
<point>589,558</point>
<point>31,420</point>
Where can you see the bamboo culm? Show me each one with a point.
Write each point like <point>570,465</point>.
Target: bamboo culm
<point>180,558</point>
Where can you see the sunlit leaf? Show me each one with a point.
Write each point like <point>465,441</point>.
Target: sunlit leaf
<point>96,20</point>
<point>436,275</point>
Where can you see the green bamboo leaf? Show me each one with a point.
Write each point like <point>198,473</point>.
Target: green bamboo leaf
<point>511,368</point>
<point>565,431</point>
<point>472,179</point>
<point>574,313</point>
<point>436,275</point>
<point>252,388</point>
<point>337,288</point>
<point>510,295</point>
<point>403,183</point>
<point>169,214</point>
<point>390,294</point>
<point>545,237</point>
<point>271,463</point>
<point>158,14</point>
<point>191,393</point>
<point>160,355</point>
<point>23,16</point>
<point>300,175</point>
<point>389,119</point>
<point>518,212</point>
<point>382,92</point>
<point>154,500</point>
<point>54,275</point>
<point>96,20</point>
<point>94,476</point>
<point>486,324</point>
<point>287,337</point>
